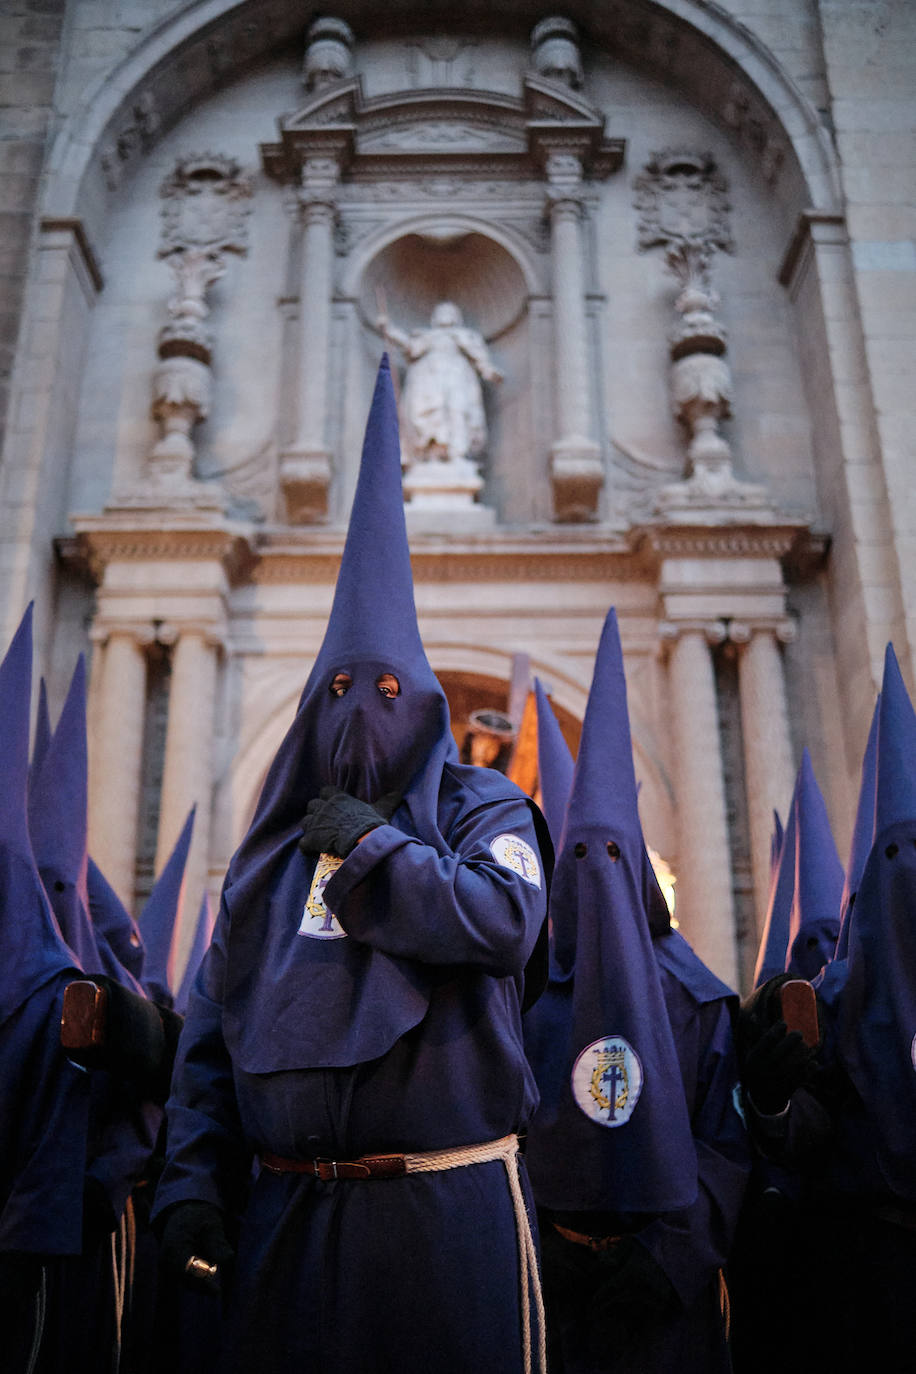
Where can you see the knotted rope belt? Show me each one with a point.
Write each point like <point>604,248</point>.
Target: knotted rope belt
<point>382,1166</point>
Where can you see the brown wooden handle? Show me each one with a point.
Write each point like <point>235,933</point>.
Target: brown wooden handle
<point>84,1016</point>
<point>799,1009</point>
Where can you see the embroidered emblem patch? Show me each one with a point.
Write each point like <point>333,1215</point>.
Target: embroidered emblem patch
<point>317,921</point>
<point>607,1080</point>
<point>512,852</point>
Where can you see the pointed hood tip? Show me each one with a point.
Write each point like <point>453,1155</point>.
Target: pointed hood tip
<point>895,784</point>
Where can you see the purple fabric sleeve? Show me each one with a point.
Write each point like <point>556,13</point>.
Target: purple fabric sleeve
<point>402,897</point>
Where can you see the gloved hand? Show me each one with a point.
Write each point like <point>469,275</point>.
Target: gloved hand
<point>335,822</point>
<point>775,1066</point>
<point>193,1236</point>
<point>633,1292</point>
<point>631,1279</point>
<point>138,1041</point>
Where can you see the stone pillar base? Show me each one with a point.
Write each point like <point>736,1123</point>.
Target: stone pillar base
<point>577,476</point>
<point>305,478</point>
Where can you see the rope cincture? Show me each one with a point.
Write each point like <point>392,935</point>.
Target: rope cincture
<point>505,1149</point>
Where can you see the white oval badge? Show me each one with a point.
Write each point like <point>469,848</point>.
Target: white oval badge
<point>913,1051</point>
<point>607,1080</point>
<point>510,851</point>
<point>317,921</point>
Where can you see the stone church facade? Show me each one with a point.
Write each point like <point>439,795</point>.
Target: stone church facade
<point>684,234</point>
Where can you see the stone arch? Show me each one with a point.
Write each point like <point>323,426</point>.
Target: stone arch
<point>211,39</point>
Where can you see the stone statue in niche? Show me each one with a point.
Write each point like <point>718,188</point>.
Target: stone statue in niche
<point>443,425</point>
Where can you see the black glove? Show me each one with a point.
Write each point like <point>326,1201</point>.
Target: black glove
<point>632,1294</point>
<point>335,822</point>
<point>775,1066</point>
<point>138,1040</point>
<point>631,1280</point>
<point>193,1236</point>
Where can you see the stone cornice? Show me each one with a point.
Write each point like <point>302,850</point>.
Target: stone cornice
<point>100,541</point>
<point>776,539</point>
<point>536,555</point>
<point>549,553</point>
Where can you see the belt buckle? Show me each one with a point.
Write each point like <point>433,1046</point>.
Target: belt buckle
<point>326,1170</point>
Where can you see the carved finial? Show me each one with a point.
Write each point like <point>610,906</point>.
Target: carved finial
<point>555,51</point>
<point>328,54</point>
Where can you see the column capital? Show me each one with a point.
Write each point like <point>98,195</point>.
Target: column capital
<point>565,184</point>
<point>212,634</point>
<point>782,629</point>
<point>318,189</point>
<point>103,629</point>
<point>713,631</point>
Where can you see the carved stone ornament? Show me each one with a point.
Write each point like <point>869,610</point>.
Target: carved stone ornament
<point>681,198</point>
<point>328,53</point>
<point>555,52</point>
<point>204,217</point>
<point>206,204</point>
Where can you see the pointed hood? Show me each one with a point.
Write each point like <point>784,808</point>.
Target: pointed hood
<point>863,833</point>
<point>202,933</point>
<point>774,940</point>
<point>876,1013</point>
<point>370,745</point>
<point>33,948</point>
<point>42,729</point>
<point>58,823</point>
<point>160,918</point>
<point>555,766</point>
<point>814,917</point>
<point>612,1131</point>
<point>776,840</point>
<point>113,922</point>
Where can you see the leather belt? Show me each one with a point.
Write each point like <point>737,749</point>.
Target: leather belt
<point>329,1170</point>
<point>592,1242</point>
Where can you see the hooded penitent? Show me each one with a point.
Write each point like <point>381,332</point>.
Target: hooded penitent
<point>43,1099</point>
<point>202,933</point>
<point>863,833</point>
<point>814,916</point>
<point>369,745</point>
<point>58,822</point>
<point>876,1010</point>
<point>802,923</point>
<point>159,919</point>
<point>555,766</point>
<point>113,921</point>
<point>612,1132</point>
<point>33,948</point>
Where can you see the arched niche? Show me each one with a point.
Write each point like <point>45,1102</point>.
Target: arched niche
<point>444,259</point>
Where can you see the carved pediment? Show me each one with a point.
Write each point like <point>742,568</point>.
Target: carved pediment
<point>442,135</point>
<point>441,123</point>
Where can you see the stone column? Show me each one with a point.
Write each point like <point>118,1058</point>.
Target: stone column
<point>769,772</point>
<point>305,467</point>
<point>116,755</point>
<point>188,767</point>
<point>576,469</point>
<point>704,880</point>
